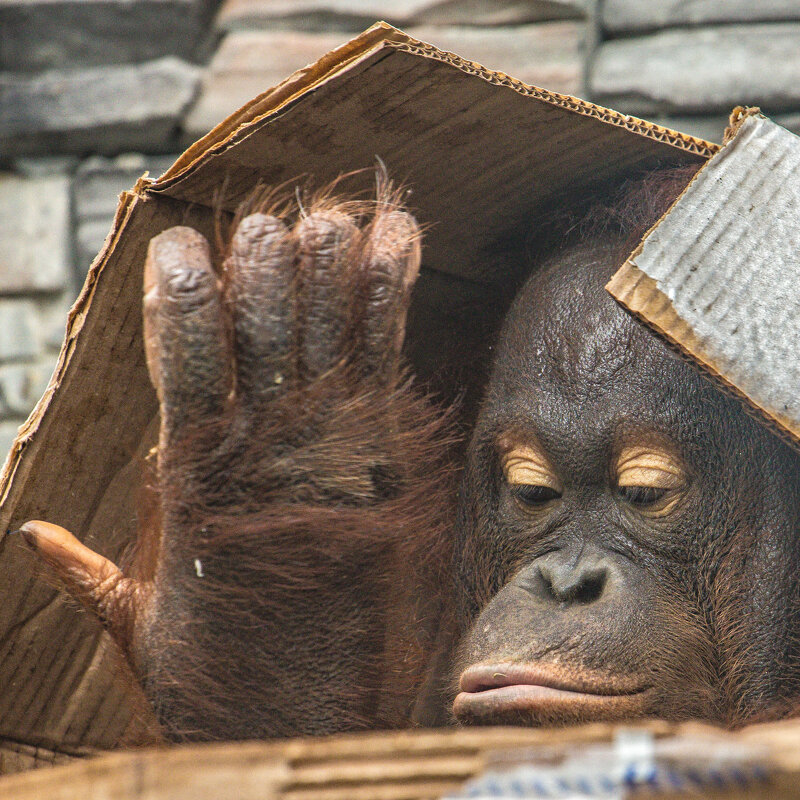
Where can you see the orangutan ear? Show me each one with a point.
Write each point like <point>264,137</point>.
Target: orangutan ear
<point>93,580</point>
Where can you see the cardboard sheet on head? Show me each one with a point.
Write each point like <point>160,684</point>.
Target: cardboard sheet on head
<point>719,275</point>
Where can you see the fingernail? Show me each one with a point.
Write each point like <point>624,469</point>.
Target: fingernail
<point>29,538</point>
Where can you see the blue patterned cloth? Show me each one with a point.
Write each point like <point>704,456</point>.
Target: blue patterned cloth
<point>633,764</point>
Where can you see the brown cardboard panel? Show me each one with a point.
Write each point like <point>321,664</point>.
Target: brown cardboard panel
<point>467,141</point>
<point>482,153</point>
<point>380,36</point>
<point>78,462</point>
<point>719,275</point>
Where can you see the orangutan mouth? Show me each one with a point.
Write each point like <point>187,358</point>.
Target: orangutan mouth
<point>541,694</point>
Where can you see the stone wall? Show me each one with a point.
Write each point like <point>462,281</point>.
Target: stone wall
<point>686,63</point>
<point>93,94</point>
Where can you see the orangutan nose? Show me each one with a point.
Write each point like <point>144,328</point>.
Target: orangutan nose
<point>573,583</point>
<point>555,577</point>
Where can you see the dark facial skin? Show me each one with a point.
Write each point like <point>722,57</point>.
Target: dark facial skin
<point>587,591</point>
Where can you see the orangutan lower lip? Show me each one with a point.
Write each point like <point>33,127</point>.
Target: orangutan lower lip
<point>485,677</point>
<point>529,692</point>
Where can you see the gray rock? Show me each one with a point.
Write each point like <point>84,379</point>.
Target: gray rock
<point>45,166</point>
<point>21,386</point>
<point>627,16</point>
<point>507,12</point>
<point>789,121</point>
<point>548,55</point>
<point>59,34</point>
<point>90,235</point>
<point>700,71</point>
<point>35,246</point>
<point>52,313</point>
<point>99,180</point>
<point>101,109</point>
<point>250,62</point>
<point>19,334</point>
<point>355,15</point>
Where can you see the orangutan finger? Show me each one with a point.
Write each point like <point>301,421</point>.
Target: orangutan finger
<point>259,270</point>
<point>390,267</point>
<point>186,342</point>
<point>90,578</point>
<point>326,242</point>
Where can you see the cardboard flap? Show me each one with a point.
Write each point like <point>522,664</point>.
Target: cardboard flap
<point>720,274</point>
<point>482,153</point>
<point>469,142</point>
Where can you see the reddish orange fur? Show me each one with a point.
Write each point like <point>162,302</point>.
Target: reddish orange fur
<point>323,559</point>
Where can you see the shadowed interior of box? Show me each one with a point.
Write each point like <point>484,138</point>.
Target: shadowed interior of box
<point>484,158</point>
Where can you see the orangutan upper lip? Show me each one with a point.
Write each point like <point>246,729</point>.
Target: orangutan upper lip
<point>484,677</point>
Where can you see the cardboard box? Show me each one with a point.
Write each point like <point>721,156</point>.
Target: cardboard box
<point>484,156</point>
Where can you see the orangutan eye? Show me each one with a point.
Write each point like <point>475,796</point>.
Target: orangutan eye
<point>641,495</point>
<point>649,478</point>
<point>529,475</point>
<point>532,495</point>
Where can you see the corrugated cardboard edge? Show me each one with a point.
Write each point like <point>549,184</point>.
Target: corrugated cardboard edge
<point>366,44</point>
<point>75,320</point>
<point>641,295</point>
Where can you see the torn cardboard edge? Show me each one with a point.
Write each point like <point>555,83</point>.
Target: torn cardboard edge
<point>717,276</point>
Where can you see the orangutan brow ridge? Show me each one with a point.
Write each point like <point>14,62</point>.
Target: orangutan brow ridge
<point>524,465</point>
<point>648,466</point>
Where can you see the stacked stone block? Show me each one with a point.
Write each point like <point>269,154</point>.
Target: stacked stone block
<point>36,288</point>
<point>686,63</point>
<point>77,78</point>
